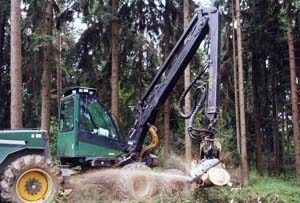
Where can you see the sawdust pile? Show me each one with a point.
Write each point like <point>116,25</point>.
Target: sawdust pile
<point>120,184</point>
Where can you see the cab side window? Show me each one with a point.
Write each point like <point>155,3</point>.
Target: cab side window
<point>66,115</point>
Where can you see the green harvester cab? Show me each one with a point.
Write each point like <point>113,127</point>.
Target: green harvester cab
<point>86,129</point>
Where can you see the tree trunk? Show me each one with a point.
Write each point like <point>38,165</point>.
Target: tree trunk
<point>166,104</point>
<point>256,114</point>
<point>46,82</point>
<point>295,112</point>
<point>16,69</point>
<point>115,63</point>
<point>236,97</point>
<point>187,81</point>
<point>276,138</point>
<point>166,130</point>
<point>140,64</point>
<point>244,156</point>
<point>58,62</point>
<point>268,138</point>
<point>2,37</point>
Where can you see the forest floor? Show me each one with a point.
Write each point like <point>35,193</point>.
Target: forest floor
<point>261,190</point>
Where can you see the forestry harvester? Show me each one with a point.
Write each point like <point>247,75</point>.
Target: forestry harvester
<point>88,136</point>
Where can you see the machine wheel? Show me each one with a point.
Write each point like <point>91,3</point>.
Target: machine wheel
<point>137,166</point>
<point>31,179</point>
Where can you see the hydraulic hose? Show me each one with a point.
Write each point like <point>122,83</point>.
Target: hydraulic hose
<point>197,134</point>
<point>183,95</point>
<point>154,141</point>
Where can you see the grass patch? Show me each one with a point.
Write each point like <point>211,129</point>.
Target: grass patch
<point>264,188</point>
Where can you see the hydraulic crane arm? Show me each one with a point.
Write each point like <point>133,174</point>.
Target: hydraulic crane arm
<point>205,23</point>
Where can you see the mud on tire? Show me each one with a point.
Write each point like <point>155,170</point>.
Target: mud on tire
<point>31,179</point>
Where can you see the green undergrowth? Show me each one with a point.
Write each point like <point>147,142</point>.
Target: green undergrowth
<point>261,189</point>
<point>266,189</point>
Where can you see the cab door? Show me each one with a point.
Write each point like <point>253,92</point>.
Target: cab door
<point>66,140</point>
<point>97,134</point>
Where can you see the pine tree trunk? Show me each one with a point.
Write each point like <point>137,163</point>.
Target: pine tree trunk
<point>256,114</point>
<point>2,37</point>
<point>58,62</point>
<point>276,138</point>
<point>244,156</point>
<point>46,82</point>
<point>166,130</point>
<point>115,63</point>
<point>166,104</point>
<point>236,97</point>
<point>140,65</point>
<point>295,112</point>
<point>16,69</point>
<point>187,81</point>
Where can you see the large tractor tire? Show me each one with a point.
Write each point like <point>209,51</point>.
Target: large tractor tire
<point>31,179</point>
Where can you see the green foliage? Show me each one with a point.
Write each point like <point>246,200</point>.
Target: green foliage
<point>127,102</point>
<point>227,136</point>
<point>267,189</point>
<point>39,41</point>
<point>53,134</point>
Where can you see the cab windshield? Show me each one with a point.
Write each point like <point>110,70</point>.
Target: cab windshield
<point>95,119</point>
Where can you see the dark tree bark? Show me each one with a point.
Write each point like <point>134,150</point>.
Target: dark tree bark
<point>15,69</point>
<point>187,81</point>
<point>235,72</point>
<point>2,37</point>
<point>46,82</point>
<point>256,114</point>
<point>166,104</point>
<point>58,62</point>
<point>295,111</point>
<point>139,65</point>
<point>115,63</point>
<point>244,156</point>
<point>276,136</point>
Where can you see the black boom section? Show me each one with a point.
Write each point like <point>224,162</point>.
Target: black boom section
<point>204,23</point>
